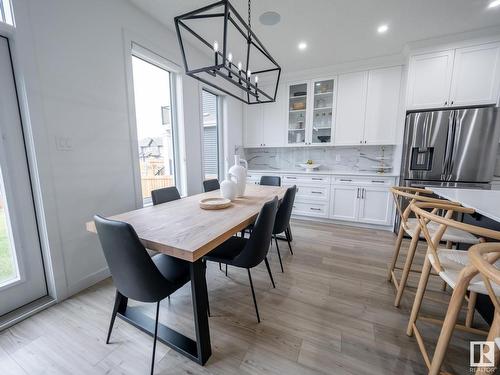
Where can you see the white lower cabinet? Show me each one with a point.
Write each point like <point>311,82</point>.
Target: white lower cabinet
<point>363,200</point>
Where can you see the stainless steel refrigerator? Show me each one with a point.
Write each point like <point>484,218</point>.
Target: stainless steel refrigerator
<point>452,148</point>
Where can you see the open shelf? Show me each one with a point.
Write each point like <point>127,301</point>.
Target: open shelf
<point>296,130</point>
<point>323,93</point>
<point>320,108</point>
<point>298,96</point>
<point>296,110</point>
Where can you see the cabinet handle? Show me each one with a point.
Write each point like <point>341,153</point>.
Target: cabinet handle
<point>292,178</point>
<point>345,180</point>
<point>446,103</point>
<point>363,193</point>
<point>317,179</point>
<point>314,209</point>
<point>316,192</point>
<point>378,181</point>
<point>452,102</point>
<point>365,141</point>
<point>357,194</point>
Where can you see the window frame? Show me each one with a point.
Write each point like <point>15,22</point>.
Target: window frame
<point>137,50</point>
<point>220,133</point>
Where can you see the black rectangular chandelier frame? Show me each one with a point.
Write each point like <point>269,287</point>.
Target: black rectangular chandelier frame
<point>227,69</point>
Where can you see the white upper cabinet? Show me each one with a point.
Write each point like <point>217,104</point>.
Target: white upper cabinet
<point>429,79</point>
<point>253,125</point>
<point>273,122</point>
<point>351,104</point>
<point>382,106</point>
<point>460,77</point>
<point>476,75</point>
<point>264,123</point>
<point>298,114</point>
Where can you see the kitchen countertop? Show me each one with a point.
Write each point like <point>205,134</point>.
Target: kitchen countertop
<point>485,202</point>
<point>324,172</point>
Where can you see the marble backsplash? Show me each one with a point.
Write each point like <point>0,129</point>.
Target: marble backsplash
<point>340,159</point>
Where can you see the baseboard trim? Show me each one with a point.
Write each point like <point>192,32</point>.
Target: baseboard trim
<point>88,281</point>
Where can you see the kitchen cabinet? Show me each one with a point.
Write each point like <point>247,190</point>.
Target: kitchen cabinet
<point>351,104</point>
<point>311,108</point>
<point>264,123</point>
<point>476,75</point>
<point>454,78</point>
<point>313,194</point>
<point>382,106</point>
<point>364,200</point>
<point>368,106</point>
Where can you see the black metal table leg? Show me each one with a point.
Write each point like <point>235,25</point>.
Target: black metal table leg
<point>199,350</point>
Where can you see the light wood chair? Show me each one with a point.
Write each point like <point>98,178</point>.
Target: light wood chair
<point>454,267</point>
<point>411,227</point>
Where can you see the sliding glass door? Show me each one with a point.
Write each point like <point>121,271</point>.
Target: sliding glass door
<point>22,278</point>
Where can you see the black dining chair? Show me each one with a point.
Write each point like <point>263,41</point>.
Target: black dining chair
<point>248,253</point>
<point>135,274</point>
<point>270,180</point>
<point>165,195</point>
<point>282,222</point>
<point>210,185</point>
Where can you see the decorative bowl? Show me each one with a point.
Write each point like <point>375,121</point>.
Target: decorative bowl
<point>310,167</point>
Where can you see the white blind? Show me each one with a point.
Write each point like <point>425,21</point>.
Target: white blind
<point>210,135</point>
<point>6,12</point>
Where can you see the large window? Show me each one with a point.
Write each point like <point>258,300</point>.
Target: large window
<point>6,12</point>
<point>211,129</point>
<point>155,131</point>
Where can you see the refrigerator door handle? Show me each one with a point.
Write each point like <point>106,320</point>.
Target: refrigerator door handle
<point>449,147</point>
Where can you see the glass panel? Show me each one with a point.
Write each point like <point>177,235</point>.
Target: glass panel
<point>323,111</point>
<point>210,136</point>
<point>153,110</point>
<point>297,113</point>
<point>6,12</point>
<point>8,263</point>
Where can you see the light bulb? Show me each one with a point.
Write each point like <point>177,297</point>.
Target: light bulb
<point>249,73</point>
<point>256,79</point>
<point>230,57</point>
<point>239,65</point>
<point>216,46</point>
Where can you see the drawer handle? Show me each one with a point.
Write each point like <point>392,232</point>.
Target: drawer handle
<point>378,181</point>
<point>343,179</point>
<point>316,192</point>
<point>315,209</point>
<point>291,178</point>
<point>317,178</point>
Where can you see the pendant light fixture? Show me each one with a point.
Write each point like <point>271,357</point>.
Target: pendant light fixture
<point>220,49</point>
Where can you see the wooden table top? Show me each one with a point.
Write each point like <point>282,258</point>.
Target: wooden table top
<point>183,230</point>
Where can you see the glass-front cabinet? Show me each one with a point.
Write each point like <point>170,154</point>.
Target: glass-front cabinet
<point>297,113</point>
<point>311,112</point>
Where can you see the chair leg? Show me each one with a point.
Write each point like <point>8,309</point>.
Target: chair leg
<point>406,268</point>
<point>155,337</point>
<point>120,304</point>
<point>450,320</point>
<point>471,308</point>
<point>253,295</point>
<point>422,285</point>
<point>278,250</point>
<point>220,266</point>
<point>395,256</point>
<point>493,333</point>
<point>287,235</point>
<point>290,232</point>
<point>226,269</point>
<point>269,271</point>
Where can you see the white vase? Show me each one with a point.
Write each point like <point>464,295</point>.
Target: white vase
<point>239,175</point>
<point>228,188</point>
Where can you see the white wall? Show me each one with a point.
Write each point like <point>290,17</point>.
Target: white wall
<point>70,55</point>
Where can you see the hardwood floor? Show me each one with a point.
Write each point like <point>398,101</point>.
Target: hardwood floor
<point>331,313</point>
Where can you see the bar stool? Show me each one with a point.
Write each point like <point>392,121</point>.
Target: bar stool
<point>411,227</point>
<point>454,267</point>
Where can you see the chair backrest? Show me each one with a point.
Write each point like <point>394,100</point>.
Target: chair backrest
<point>402,194</point>
<point>426,214</point>
<point>210,185</point>
<point>484,258</point>
<point>270,180</point>
<point>134,273</point>
<point>165,195</point>
<point>285,210</point>
<point>257,245</point>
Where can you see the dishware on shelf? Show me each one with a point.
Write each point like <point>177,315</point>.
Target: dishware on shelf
<point>298,138</point>
<point>310,167</point>
<point>215,203</point>
<point>300,93</point>
<point>297,106</point>
<point>228,188</point>
<point>239,175</point>
<point>324,138</point>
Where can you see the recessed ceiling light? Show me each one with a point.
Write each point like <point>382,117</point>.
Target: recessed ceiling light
<point>302,46</point>
<point>382,29</point>
<point>269,18</point>
<point>494,4</point>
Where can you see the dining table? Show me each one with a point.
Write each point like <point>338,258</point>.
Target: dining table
<point>183,230</point>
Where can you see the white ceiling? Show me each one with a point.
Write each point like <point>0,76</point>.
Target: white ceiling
<point>338,31</point>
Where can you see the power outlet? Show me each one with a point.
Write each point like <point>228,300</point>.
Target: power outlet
<point>64,144</point>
